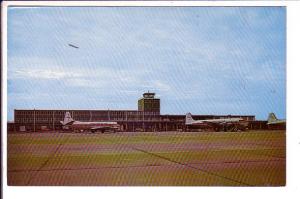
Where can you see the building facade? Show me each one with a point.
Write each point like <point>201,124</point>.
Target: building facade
<point>146,118</point>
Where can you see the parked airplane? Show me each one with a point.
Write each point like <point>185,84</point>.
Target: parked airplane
<point>272,119</point>
<point>70,123</point>
<point>227,124</point>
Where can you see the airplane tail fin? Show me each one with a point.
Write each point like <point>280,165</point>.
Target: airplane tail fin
<point>68,119</point>
<point>189,119</point>
<point>272,118</point>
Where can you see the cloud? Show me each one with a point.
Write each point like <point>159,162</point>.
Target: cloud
<point>41,74</point>
<point>205,59</point>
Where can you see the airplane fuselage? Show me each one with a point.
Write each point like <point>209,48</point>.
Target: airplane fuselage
<point>215,121</point>
<point>277,122</point>
<point>78,125</point>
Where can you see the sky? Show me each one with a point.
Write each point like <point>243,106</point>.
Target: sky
<point>203,60</point>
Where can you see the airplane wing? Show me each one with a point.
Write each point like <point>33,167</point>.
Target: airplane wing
<point>205,124</point>
<point>98,127</point>
<point>214,124</point>
<point>103,127</point>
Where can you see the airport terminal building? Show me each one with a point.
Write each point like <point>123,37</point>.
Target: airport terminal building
<point>146,118</point>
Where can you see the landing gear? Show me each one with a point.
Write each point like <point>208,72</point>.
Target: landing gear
<point>217,129</point>
<point>76,131</point>
<point>232,128</point>
<point>236,128</point>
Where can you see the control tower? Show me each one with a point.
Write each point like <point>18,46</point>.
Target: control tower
<point>149,103</point>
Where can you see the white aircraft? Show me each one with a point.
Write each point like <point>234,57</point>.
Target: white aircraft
<point>228,124</point>
<point>69,122</point>
<point>272,119</point>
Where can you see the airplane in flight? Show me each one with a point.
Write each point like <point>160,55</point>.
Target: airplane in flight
<point>73,46</point>
<point>226,124</point>
<point>78,126</point>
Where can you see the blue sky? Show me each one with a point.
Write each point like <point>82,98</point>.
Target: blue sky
<point>203,60</point>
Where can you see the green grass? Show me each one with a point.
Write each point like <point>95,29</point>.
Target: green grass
<point>144,138</point>
<point>84,160</point>
<point>270,146</point>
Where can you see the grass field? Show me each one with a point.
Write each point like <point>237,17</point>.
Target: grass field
<point>254,158</point>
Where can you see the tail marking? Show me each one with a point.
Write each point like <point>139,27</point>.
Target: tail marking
<point>189,119</point>
<point>272,118</point>
<point>68,119</point>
